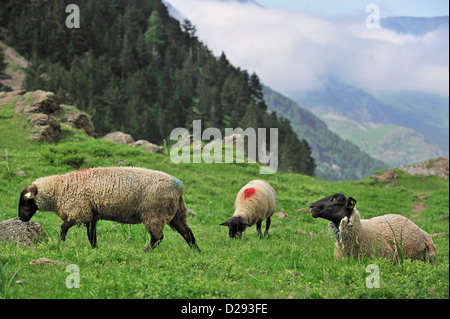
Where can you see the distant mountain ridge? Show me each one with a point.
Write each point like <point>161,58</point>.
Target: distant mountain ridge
<point>400,128</point>
<point>414,25</point>
<point>336,158</point>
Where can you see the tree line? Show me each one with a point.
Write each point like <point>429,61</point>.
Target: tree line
<point>134,68</point>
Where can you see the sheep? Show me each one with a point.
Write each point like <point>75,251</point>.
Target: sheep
<point>254,203</point>
<point>129,195</point>
<point>390,236</point>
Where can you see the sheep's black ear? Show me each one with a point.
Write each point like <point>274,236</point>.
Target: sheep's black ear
<point>226,223</point>
<point>351,202</point>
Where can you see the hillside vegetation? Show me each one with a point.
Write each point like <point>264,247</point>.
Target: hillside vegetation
<point>135,69</point>
<point>295,262</point>
<point>336,158</point>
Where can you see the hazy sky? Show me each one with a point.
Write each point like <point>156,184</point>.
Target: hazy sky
<point>417,8</point>
<point>297,47</point>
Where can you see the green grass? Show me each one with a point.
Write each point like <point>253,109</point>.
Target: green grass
<point>296,261</point>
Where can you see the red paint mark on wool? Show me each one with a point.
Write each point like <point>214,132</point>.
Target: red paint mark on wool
<point>86,170</point>
<point>249,192</point>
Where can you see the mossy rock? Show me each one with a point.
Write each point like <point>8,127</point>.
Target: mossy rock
<point>21,233</point>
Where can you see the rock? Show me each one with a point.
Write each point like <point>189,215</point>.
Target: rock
<point>44,112</point>
<point>43,102</point>
<point>47,133</point>
<point>39,119</point>
<point>238,141</point>
<point>119,138</point>
<point>187,141</point>
<point>21,233</point>
<point>149,147</point>
<point>47,128</point>
<point>234,140</point>
<point>45,261</point>
<point>388,174</point>
<point>437,166</point>
<point>79,121</point>
<point>154,149</point>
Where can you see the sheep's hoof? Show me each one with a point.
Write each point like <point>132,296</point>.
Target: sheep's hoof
<point>196,248</point>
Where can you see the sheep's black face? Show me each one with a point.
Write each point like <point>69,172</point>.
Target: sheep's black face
<point>333,208</point>
<point>236,226</point>
<point>27,204</point>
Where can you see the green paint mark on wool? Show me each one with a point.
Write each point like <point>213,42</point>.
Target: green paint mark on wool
<point>178,183</point>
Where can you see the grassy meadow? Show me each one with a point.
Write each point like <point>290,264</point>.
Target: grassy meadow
<point>295,262</point>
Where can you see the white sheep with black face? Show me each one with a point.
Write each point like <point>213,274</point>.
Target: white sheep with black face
<point>254,203</point>
<point>128,195</point>
<point>386,236</point>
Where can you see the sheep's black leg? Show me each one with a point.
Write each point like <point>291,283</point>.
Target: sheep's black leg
<point>65,228</point>
<point>266,232</point>
<point>186,232</point>
<point>258,228</point>
<point>190,239</point>
<point>92,233</point>
<point>154,241</point>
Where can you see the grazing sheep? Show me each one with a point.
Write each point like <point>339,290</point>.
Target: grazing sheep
<point>127,195</point>
<point>254,203</point>
<point>389,236</point>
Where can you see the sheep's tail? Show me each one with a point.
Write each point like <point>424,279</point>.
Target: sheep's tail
<point>431,251</point>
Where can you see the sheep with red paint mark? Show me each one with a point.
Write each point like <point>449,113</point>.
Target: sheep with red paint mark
<point>255,202</point>
<point>129,195</point>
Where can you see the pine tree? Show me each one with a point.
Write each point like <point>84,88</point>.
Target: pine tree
<point>2,60</point>
<point>291,152</point>
<point>154,36</point>
<point>257,94</point>
<point>126,59</point>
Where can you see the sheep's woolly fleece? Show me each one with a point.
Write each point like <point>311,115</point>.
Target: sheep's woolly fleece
<point>255,201</point>
<point>123,194</point>
<point>381,237</point>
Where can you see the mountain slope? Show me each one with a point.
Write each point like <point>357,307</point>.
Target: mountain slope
<point>426,113</point>
<point>396,127</point>
<point>336,159</point>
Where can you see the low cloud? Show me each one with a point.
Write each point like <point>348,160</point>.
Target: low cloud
<point>296,51</point>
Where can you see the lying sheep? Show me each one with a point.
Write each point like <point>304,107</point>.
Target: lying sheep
<point>123,194</point>
<point>254,203</point>
<point>390,236</point>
